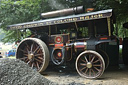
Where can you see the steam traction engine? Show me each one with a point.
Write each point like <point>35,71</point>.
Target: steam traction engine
<point>85,38</point>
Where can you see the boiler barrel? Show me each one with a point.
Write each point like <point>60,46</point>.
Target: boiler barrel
<point>64,12</point>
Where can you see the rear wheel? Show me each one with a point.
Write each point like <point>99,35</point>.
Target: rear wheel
<point>90,64</point>
<point>34,52</point>
<point>105,57</point>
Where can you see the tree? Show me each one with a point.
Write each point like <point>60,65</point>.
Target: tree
<point>120,10</point>
<point>16,11</point>
<point>20,11</point>
<point>61,4</point>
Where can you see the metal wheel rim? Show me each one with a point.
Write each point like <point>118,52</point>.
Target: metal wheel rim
<point>33,54</point>
<point>90,64</point>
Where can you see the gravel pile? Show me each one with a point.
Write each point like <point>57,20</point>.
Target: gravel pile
<point>16,72</point>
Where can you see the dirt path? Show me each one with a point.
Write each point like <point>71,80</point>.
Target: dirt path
<point>14,72</point>
<point>115,75</point>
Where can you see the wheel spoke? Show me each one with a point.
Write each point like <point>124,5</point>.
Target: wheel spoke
<point>32,64</point>
<point>83,64</point>
<point>23,58</point>
<point>38,60</point>
<point>86,59</point>
<point>96,61</point>
<point>38,54</point>
<point>26,54</point>
<point>93,72</point>
<point>27,45</point>
<point>31,51</point>
<point>86,71</point>
<point>36,49</point>
<point>27,50</point>
<point>90,64</point>
<point>96,65</point>
<point>97,69</point>
<point>22,50</point>
<point>83,68</point>
<point>28,61</point>
<point>90,72</point>
<point>37,64</point>
<point>83,60</point>
<point>92,59</point>
<point>32,46</point>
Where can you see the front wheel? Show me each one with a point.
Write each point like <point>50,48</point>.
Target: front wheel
<point>90,64</point>
<point>34,52</point>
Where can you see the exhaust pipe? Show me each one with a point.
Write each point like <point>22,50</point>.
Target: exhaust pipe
<point>64,12</point>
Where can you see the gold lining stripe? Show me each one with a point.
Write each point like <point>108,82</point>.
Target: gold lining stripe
<point>76,26</point>
<point>109,27</point>
<point>49,30</point>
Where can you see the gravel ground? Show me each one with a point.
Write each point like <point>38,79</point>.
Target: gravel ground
<point>16,72</point>
<point>113,75</point>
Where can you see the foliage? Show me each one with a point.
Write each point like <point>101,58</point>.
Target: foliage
<point>2,34</point>
<point>61,4</point>
<point>119,7</point>
<point>13,12</point>
<point>120,10</point>
<point>20,11</point>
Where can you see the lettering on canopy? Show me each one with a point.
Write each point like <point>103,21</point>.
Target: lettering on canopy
<point>61,21</point>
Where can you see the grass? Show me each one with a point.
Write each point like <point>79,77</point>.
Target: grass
<point>12,57</point>
<point>120,52</point>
